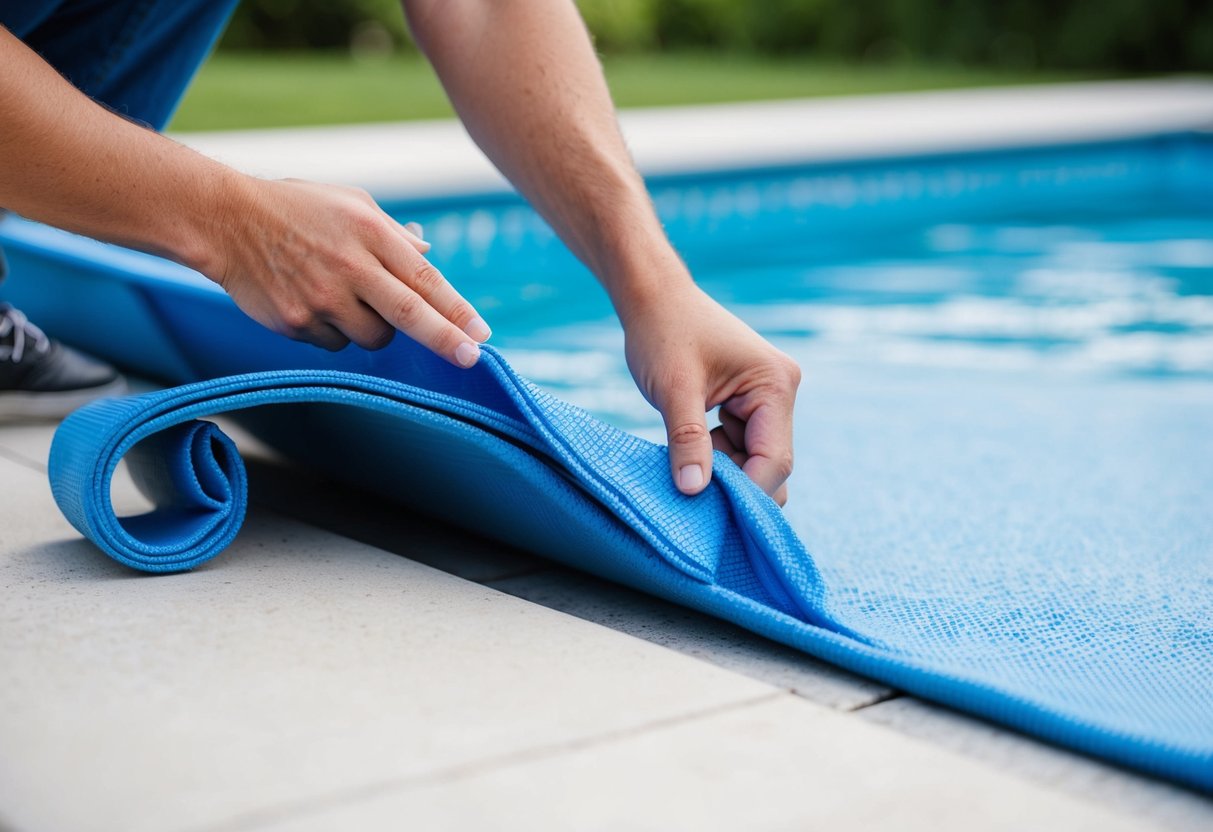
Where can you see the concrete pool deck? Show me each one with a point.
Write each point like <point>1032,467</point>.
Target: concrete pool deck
<point>436,157</point>
<point>348,666</point>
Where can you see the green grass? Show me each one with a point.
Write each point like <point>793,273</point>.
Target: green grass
<point>238,90</point>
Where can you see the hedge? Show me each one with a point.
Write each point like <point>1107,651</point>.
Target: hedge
<point>1125,35</point>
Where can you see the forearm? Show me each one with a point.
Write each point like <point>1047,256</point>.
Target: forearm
<point>69,162</point>
<point>525,80</point>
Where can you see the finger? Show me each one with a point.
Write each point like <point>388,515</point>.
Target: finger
<point>365,327</point>
<point>768,443</point>
<point>781,495</point>
<point>423,278</point>
<point>411,232</point>
<point>414,238</point>
<point>322,335</point>
<point>734,428</point>
<point>721,442</point>
<point>410,313</point>
<point>690,444</point>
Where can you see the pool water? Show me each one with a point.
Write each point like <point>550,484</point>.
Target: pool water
<point>1105,295</point>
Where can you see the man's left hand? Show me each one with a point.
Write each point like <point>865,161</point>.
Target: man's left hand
<point>688,354</point>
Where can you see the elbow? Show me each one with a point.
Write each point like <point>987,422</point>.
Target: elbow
<point>437,23</point>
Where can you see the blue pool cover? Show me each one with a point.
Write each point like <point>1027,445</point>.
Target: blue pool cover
<point>488,449</point>
<point>1091,625</point>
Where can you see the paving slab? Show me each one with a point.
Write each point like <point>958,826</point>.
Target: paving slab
<point>1162,804</point>
<point>28,444</point>
<point>695,634</point>
<point>781,763</point>
<point>299,666</point>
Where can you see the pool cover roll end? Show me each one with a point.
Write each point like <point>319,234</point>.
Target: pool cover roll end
<point>191,472</point>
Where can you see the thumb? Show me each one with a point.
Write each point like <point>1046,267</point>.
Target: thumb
<point>690,443</point>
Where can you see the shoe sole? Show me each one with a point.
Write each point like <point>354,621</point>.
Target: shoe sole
<point>50,406</point>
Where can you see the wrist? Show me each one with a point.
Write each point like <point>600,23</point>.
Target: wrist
<point>209,226</point>
<point>648,278</point>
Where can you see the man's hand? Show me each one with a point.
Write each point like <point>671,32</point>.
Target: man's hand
<point>324,264</point>
<point>315,262</point>
<point>688,354</point>
<point>525,80</point>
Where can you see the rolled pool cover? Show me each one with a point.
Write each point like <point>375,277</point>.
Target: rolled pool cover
<point>485,449</point>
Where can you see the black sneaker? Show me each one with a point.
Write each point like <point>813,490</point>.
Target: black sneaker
<point>42,379</point>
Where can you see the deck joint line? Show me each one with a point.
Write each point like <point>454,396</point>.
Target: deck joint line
<point>878,699</point>
<point>250,821</point>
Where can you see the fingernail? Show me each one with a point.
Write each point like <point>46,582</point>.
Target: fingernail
<point>478,329</point>
<point>415,229</point>
<point>466,354</point>
<point>690,477</point>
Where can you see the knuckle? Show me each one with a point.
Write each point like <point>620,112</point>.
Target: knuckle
<point>376,339</point>
<point>407,310</point>
<point>784,372</point>
<point>366,222</point>
<point>347,264</point>
<point>322,302</point>
<point>783,464</point>
<point>426,279</point>
<point>296,320</point>
<point>792,372</point>
<point>353,193</point>
<point>688,434</point>
<point>462,313</point>
<point>447,340</point>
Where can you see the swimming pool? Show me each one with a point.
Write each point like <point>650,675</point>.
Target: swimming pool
<point>1002,437</point>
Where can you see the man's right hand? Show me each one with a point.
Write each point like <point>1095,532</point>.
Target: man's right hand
<point>316,262</point>
<point>326,265</point>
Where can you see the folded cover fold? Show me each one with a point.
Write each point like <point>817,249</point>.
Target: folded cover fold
<point>192,472</point>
